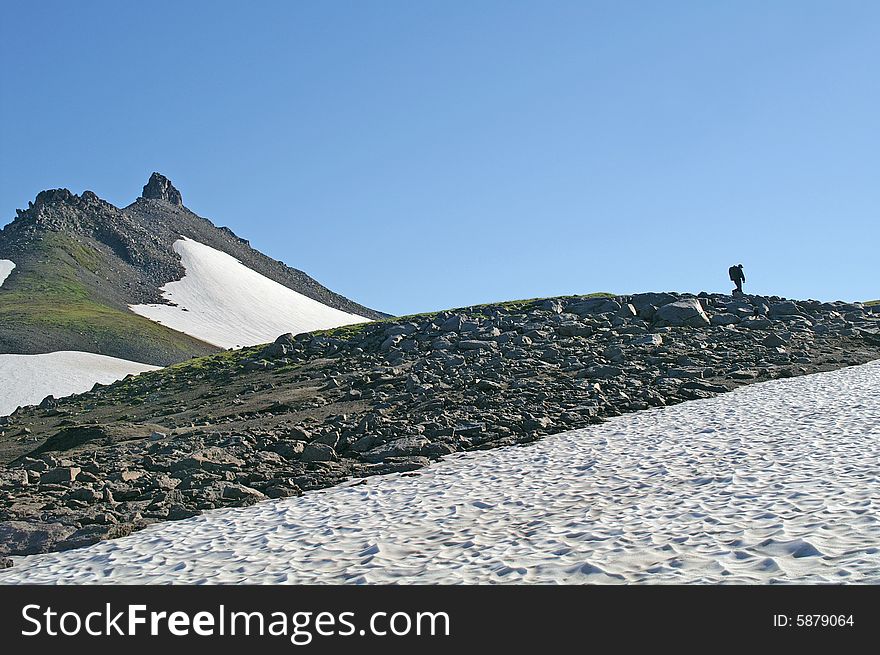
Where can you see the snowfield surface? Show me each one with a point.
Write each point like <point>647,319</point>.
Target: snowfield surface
<point>27,379</point>
<point>774,482</point>
<point>6,267</point>
<point>223,302</point>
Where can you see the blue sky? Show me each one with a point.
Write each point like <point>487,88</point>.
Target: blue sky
<point>422,155</point>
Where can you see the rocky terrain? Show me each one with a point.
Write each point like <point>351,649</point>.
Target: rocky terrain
<point>311,410</point>
<point>80,262</point>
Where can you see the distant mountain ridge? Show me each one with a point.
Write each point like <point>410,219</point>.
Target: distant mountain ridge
<point>80,262</point>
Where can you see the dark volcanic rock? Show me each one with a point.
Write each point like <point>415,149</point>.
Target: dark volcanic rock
<point>318,452</point>
<point>92,534</point>
<point>159,187</point>
<point>682,313</point>
<point>389,397</point>
<point>31,537</point>
<point>61,474</point>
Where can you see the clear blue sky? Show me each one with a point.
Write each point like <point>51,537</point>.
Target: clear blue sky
<point>422,155</point>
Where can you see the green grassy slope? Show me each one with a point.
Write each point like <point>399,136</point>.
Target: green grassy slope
<point>50,303</point>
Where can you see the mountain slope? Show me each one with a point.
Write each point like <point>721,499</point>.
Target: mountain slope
<point>80,263</point>
<point>59,297</point>
<point>311,410</point>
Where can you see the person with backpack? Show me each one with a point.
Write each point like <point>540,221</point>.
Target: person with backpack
<point>737,277</point>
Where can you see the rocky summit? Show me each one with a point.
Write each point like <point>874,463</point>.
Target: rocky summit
<point>311,410</point>
<point>159,187</point>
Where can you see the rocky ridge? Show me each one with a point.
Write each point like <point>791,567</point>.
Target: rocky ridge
<point>312,410</point>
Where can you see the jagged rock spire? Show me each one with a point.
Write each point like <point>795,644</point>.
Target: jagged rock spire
<point>160,188</point>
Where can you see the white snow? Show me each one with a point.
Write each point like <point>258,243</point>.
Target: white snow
<point>223,302</point>
<point>6,267</point>
<point>27,379</point>
<point>774,482</point>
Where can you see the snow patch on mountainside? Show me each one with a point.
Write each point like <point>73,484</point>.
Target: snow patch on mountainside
<point>225,303</point>
<point>6,267</point>
<point>27,379</point>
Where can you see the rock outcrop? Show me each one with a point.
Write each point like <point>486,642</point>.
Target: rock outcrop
<point>159,187</point>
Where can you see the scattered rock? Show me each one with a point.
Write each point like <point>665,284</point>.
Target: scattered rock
<point>389,397</point>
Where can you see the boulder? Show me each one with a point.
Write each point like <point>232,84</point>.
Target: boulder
<point>403,447</point>
<point>604,371</point>
<point>289,449</point>
<point>773,341</point>
<point>210,459</point>
<point>276,350</point>
<point>298,434</point>
<point>318,452</point>
<point>390,342</point>
<point>552,305</point>
<point>287,339</point>
<point>787,308</point>
<point>31,538</point>
<point>60,475</point>
<point>687,312</point>
<point>626,311</point>
<point>364,444</point>
<point>593,306</point>
<point>572,329</point>
<point>458,323</point>
<point>92,534</point>
<point>329,438</point>
<point>725,319</point>
<point>643,300</point>
<point>241,492</point>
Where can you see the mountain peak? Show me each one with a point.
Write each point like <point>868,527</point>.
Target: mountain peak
<point>62,197</point>
<point>160,188</point>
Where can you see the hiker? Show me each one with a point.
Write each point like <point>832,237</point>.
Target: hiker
<point>737,277</point>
